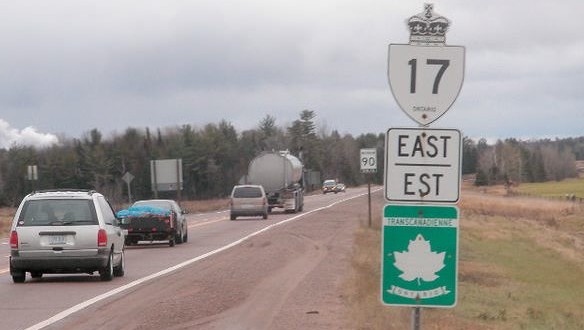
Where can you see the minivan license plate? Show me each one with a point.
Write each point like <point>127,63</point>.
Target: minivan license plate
<point>57,239</point>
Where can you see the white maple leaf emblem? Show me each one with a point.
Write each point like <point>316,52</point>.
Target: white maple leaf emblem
<point>419,262</point>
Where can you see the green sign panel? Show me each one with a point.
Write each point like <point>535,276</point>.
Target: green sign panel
<point>419,255</point>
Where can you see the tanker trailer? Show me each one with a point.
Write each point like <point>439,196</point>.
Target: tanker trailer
<point>282,177</point>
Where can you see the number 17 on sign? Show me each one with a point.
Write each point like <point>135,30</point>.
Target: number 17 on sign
<point>425,81</point>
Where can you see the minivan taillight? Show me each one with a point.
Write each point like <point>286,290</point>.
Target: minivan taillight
<point>14,240</point>
<point>101,238</point>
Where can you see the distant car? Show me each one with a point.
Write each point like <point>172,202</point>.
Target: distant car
<point>65,231</point>
<point>156,220</point>
<point>328,186</point>
<point>340,187</point>
<point>248,200</point>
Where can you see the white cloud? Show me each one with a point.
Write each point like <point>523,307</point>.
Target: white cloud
<point>110,65</point>
<point>29,136</point>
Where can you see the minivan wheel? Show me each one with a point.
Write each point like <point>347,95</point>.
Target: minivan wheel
<point>171,242</point>
<point>179,237</point>
<point>233,217</point>
<point>107,273</point>
<point>265,215</point>
<point>186,236</point>
<point>120,269</point>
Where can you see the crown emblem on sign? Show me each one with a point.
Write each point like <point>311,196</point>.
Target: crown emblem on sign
<point>428,28</point>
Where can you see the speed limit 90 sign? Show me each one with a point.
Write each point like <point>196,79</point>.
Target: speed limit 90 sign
<point>368,160</point>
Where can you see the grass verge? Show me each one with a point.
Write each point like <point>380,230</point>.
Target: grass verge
<point>6,215</point>
<point>521,266</point>
<point>554,188</point>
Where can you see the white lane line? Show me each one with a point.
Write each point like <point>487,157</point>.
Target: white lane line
<point>207,213</point>
<point>5,270</point>
<point>58,317</point>
<point>206,223</point>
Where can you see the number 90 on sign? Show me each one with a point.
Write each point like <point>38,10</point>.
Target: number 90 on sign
<point>368,160</point>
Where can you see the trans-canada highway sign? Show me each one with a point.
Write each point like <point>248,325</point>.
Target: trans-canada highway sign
<point>419,249</point>
<point>422,165</point>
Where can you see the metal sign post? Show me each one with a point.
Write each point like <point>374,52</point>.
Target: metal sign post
<point>422,165</point>
<point>368,160</point>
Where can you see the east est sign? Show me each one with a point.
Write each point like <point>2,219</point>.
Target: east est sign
<point>422,165</point>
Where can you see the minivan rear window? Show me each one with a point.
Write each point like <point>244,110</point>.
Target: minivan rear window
<point>58,212</point>
<point>247,192</point>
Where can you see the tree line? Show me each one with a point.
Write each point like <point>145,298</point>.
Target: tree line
<point>512,161</point>
<point>215,157</point>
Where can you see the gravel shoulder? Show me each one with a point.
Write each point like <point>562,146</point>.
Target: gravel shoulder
<point>290,277</point>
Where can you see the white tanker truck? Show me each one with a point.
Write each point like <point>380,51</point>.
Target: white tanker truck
<point>282,177</point>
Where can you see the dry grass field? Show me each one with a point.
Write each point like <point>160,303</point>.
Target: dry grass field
<point>563,189</point>
<point>6,214</point>
<point>521,266</point>
<point>205,205</point>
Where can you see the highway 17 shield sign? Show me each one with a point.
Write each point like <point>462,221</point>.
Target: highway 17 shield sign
<point>419,255</point>
<point>425,80</point>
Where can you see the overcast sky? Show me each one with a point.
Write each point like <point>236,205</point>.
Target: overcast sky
<point>67,67</point>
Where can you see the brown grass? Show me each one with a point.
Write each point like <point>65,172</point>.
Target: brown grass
<point>367,311</point>
<point>515,255</point>
<point>205,205</point>
<point>542,210</point>
<point>553,224</point>
<point>6,215</point>
<point>363,287</point>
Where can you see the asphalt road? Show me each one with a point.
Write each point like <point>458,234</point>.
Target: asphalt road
<point>53,300</point>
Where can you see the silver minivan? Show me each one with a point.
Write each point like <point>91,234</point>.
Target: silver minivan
<point>248,200</point>
<point>65,231</point>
